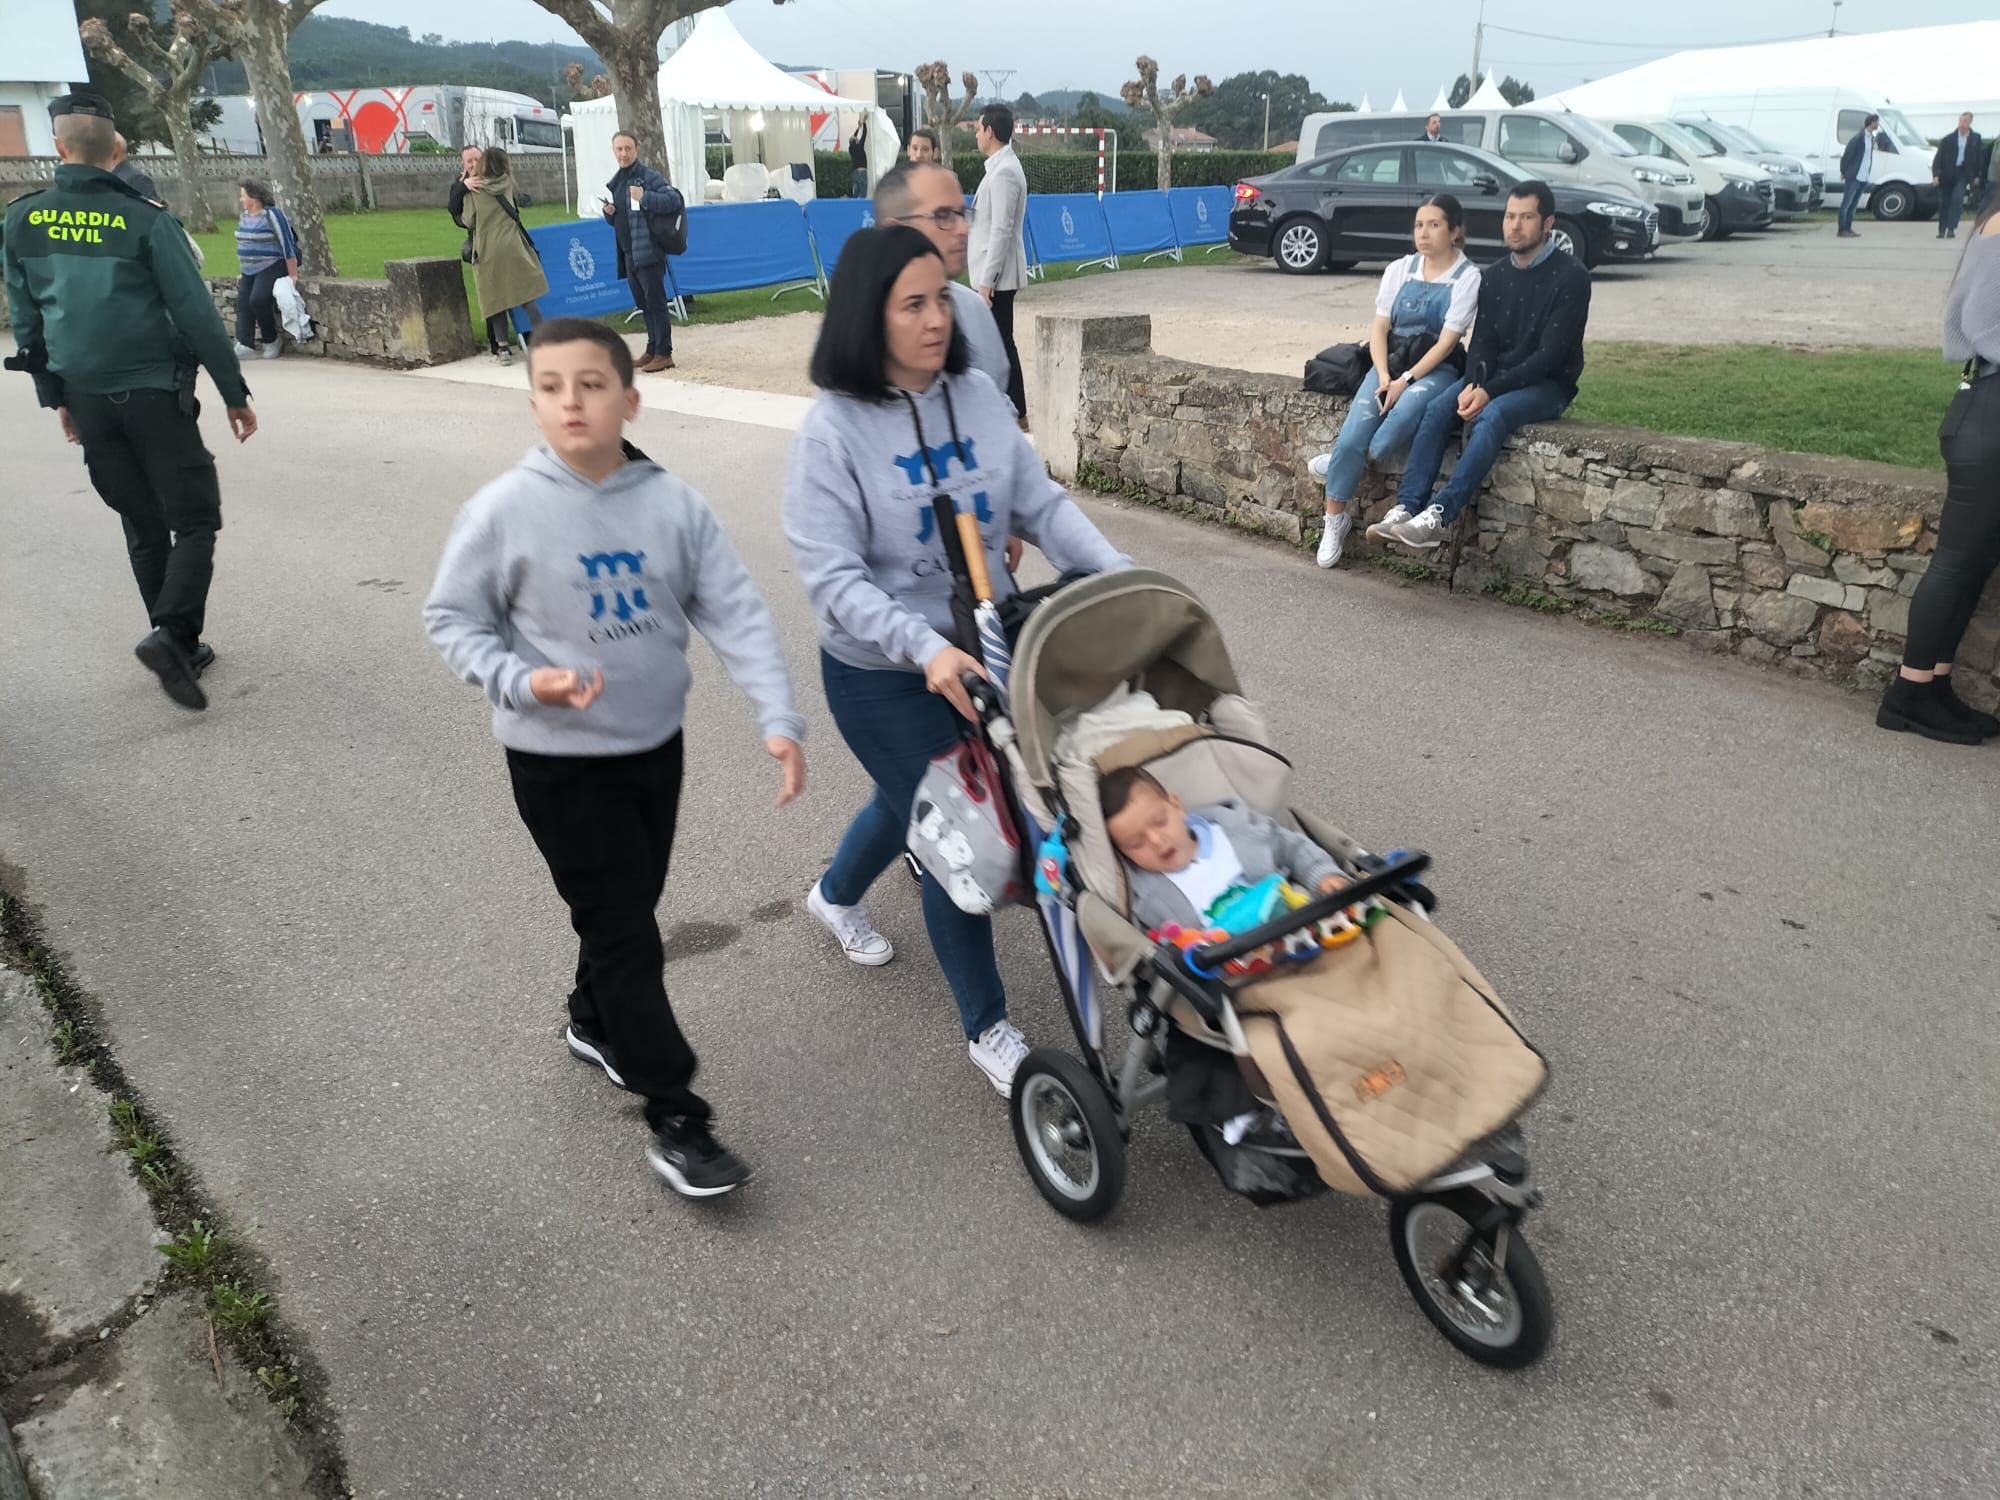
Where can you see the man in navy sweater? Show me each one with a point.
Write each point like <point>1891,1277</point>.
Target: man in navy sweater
<point>1522,367</point>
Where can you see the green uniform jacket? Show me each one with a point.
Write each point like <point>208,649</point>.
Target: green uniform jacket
<point>105,295</point>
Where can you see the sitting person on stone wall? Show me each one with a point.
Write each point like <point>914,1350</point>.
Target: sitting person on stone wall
<point>1522,366</point>
<point>1430,295</point>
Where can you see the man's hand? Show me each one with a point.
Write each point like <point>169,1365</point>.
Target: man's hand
<point>560,687</point>
<point>68,427</point>
<point>610,208</point>
<point>242,422</point>
<point>791,759</point>
<point>1015,547</point>
<point>987,293</point>
<point>943,674</point>
<point>1471,402</point>
<point>1331,884</point>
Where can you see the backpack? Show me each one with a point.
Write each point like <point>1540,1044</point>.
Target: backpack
<point>669,230</point>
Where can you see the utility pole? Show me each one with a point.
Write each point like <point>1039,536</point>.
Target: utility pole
<point>1267,122</point>
<point>1833,26</point>
<point>1479,37</point>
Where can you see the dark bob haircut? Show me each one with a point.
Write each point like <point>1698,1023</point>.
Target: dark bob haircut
<point>852,355</point>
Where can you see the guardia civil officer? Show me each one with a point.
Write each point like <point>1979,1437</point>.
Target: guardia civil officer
<point>112,318</point>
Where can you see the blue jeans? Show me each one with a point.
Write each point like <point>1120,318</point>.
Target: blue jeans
<point>648,286</point>
<point>1850,199</point>
<point>1367,434</point>
<point>1543,401</point>
<point>896,726</point>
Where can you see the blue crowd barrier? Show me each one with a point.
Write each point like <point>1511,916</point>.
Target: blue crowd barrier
<point>1140,224</point>
<point>832,222</point>
<point>580,258</point>
<point>1068,227</point>
<point>1201,215</point>
<point>737,245</point>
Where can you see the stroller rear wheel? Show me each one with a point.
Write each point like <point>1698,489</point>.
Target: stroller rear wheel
<point>1068,1135</point>
<point>1494,1308</point>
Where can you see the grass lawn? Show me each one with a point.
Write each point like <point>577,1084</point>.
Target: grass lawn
<point>1852,403</point>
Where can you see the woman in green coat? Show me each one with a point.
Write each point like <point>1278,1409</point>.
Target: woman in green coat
<point>506,270</point>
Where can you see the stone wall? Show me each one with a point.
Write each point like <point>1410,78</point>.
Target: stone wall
<point>415,315</point>
<point>1802,561</point>
<point>420,181</point>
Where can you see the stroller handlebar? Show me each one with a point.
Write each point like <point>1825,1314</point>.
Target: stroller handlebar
<point>1214,955</point>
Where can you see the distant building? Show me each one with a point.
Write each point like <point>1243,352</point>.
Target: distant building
<point>1186,138</point>
<point>42,57</point>
<point>1288,148</point>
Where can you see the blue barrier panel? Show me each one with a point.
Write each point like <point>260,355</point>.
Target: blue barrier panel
<point>580,258</point>
<point>733,245</point>
<point>832,222</point>
<point>1067,226</point>
<point>1201,215</point>
<point>1140,223</point>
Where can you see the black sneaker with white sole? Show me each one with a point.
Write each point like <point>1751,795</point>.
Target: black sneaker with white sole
<point>694,1163</point>
<point>585,1045</point>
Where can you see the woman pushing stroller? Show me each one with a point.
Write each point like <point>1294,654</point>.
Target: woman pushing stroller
<point>901,419</point>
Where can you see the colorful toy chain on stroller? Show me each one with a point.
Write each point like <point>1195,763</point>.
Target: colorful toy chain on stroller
<point>1338,1041</point>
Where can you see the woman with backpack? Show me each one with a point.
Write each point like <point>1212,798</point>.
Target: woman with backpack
<point>1432,294</point>
<point>266,251</point>
<point>506,267</point>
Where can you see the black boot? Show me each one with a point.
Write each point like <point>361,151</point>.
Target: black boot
<point>1918,706</point>
<point>1982,724</point>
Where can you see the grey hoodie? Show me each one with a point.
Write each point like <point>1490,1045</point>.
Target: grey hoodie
<point>858,512</point>
<point>546,569</point>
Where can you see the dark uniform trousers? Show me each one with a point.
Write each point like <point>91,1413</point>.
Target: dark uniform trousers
<point>147,462</point>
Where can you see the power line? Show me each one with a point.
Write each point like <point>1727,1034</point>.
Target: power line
<point>1544,36</point>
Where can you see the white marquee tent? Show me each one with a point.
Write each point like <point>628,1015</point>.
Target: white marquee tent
<point>716,72</point>
<point>1488,96</point>
<point>1930,73</point>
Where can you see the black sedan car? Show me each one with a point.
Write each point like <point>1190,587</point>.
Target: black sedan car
<point>1337,210</point>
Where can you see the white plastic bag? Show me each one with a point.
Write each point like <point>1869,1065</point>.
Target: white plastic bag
<point>292,311</point>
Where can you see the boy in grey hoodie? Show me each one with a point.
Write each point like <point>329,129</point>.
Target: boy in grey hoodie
<point>567,592</point>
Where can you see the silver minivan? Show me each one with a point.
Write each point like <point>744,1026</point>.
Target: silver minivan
<point>1551,144</point>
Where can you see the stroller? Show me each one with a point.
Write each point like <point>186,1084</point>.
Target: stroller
<point>1456,1228</point>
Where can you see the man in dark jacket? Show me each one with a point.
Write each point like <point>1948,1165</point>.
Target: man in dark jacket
<point>1857,170</point>
<point>637,192</point>
<point>112,320</point>
<point>468,169</point>
<point>1960,163</point>
<point>1522,367</point>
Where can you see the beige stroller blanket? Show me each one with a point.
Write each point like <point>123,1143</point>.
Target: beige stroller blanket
<point>1389,1057</point>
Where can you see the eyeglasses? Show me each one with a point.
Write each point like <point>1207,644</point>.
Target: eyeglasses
<point>946,219</point>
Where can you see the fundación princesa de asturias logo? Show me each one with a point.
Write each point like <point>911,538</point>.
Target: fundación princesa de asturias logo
<point>582,264</point>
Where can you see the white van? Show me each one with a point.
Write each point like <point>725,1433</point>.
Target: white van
<point>1737,195</point>
<point>1554,145</point>
<point>1815,125</point>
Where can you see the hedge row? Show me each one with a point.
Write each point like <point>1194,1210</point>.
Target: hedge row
<point>1064,171</point>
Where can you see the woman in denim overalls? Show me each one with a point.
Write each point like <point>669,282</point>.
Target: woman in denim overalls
<point>1435,291</point>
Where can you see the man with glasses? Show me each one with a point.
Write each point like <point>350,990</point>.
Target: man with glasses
<point>928,197</point>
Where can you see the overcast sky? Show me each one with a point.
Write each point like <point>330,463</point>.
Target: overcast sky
<point>1346,49</point>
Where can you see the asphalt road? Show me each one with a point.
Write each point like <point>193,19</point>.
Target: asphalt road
<point>1793,284</point>
<point>1757,938</point>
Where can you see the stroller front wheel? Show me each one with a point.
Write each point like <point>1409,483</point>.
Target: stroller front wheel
<point>1494,1308</point>
<point>1068,1135</point>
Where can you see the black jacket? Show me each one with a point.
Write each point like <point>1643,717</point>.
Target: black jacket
<point>1857,147</point>
<point>456,202</point>
<point>1530,325</point>
<point>1945,164</point>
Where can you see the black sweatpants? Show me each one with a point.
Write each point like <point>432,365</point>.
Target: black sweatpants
<point>147,462</point>
<point>1003,315</point>
<point>257,306</point>
<point>1968,544</point>
<point>605,824</point>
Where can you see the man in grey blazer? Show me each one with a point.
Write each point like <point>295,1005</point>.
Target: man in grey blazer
<point>999,254</point>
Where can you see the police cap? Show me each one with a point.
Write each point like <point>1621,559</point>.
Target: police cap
<point>80,104</point>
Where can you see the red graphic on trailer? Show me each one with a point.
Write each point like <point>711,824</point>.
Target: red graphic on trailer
<point>377,122</point>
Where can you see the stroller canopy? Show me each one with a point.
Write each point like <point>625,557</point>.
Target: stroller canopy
<point>1137,628</point>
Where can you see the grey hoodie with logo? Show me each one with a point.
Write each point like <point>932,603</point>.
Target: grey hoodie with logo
<point>858,512</point>
<point>546,569</point>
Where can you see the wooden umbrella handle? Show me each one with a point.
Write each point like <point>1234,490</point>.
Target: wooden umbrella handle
<point>975,557</point>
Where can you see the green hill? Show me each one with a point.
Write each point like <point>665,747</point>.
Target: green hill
<point>333,52</point>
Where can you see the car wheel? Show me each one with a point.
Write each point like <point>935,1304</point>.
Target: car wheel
<point>1711,219</point>
<point>1568,237</point>
<point>1300,246</point>
<point>1895,201</point>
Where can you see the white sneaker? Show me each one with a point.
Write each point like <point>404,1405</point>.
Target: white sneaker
<point>272,351</point>
<point>1319,465</point>
<point>1381,529</point>
<point>1425,530</point>
<point>244,351</point>
<point>1334,538</point>
<point>850,925</point>
<point>999,1053</point>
